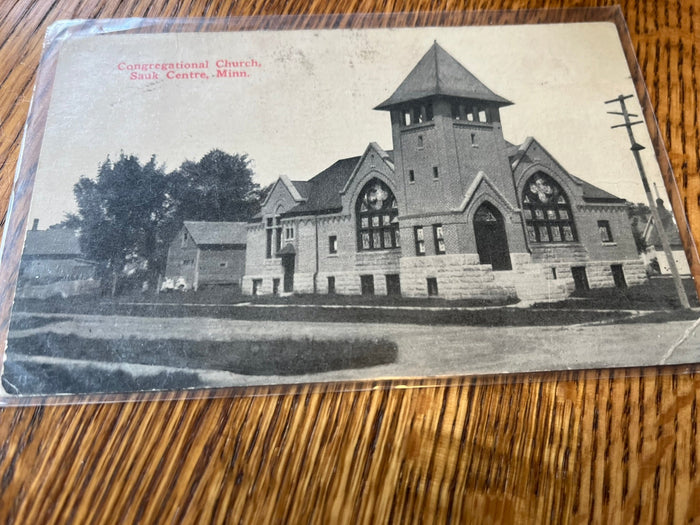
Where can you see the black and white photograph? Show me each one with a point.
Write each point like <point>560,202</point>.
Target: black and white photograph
<point>218,209</point>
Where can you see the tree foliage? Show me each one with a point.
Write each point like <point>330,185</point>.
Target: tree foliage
<point>119,211</point>
<point>219,187</point>
<point>131,211</point>
<point>71,221</point>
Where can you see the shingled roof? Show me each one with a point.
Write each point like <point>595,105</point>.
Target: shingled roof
<point>595,194</point>
<point>590,193</point>
<point>217,233</point>
<point>323,190</point>
<point>438,73</point>
<point>52,243</point>
<point>302,187</point>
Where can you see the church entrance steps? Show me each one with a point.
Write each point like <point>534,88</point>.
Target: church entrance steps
<point>534,283</point>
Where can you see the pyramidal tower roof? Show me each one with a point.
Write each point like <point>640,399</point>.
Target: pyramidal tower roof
<point>438,73</point>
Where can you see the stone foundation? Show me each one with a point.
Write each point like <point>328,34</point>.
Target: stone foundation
<point>377,262</point>
<point>303,283</point>
<point>461,276</point>
<point>572,254</point>
<point>457,277</point>
<point>346,283</point>
<point>266,286</point>
<point>536,283</point>
<point>600,274</point>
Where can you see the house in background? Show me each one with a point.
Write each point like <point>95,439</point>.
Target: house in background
<point>207,253</point>
<point>655,250</point>
<point>53,265</point>
<point>453,210</point>
<point>53,255</point>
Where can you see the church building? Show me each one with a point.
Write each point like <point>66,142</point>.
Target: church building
<point>453,210</point>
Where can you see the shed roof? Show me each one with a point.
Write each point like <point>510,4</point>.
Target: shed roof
<point>439,74</point>
<point>52,242</point>
<point>287,250</point>
<point>217,233</point>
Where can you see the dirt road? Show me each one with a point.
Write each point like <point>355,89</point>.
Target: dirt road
<point>423,350</point>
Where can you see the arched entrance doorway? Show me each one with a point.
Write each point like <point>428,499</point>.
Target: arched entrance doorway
<point>491,239</point>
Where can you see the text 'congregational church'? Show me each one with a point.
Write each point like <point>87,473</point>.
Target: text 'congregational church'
<point>454,210</point>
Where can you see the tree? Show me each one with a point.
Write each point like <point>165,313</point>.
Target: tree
<point>71,221</point>
<point>219,187</point>
<point>120,211</point>
<point>131,211</point>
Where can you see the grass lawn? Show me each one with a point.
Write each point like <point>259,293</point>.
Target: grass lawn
<point>601,305</point>
<point>25,378</point>
<point>504,316</point>
<point>248,357</point>
<point>28,323</point>
<point>657,294</point>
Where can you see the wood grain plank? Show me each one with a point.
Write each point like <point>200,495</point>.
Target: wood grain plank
<point>616,446</point>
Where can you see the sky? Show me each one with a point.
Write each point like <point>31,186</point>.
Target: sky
<point>309,101</point>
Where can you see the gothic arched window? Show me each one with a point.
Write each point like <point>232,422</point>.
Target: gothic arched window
<point>548,216</point>
<point>377,217</point>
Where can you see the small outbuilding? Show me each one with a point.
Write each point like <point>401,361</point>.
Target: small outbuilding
<point>207,253</point>
<point>53,265</point>
<point>53,255</point>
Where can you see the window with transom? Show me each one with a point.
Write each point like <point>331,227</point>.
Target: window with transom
<point>548,216</point>
<point>377,217</point>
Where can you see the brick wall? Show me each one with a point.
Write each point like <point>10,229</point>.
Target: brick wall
<point>622,247</point>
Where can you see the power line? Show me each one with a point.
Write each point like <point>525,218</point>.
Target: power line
<point>636,148</point>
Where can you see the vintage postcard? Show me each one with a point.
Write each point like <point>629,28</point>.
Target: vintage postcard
<point>264,207</point>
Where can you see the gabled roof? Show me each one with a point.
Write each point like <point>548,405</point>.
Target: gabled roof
<point>517,152</point>
<point>52,242</point>
<point>217,233</point>
<point>385,156</point>
<point>482,178</point>
<point>590,193</point>
<point>302,186</point>
<point>297,189</point>
<point>324,190</point>
<point>651,234</point>
<point>595,194</point>
<point>440,74</point>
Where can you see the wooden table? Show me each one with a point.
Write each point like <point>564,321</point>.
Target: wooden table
<point>601,447</point>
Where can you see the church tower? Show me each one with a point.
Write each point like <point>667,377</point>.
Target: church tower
<point>446,128</point>
<point>447,138</point>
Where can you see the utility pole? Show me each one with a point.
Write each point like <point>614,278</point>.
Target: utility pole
<point>636,148</point>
